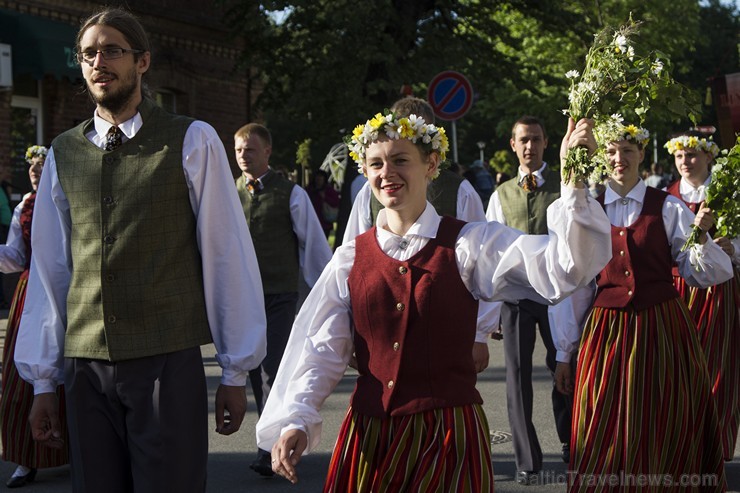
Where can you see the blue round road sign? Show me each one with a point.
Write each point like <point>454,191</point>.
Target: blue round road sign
<point>450,95</point>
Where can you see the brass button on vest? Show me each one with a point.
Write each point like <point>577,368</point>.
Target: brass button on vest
<point>390,384</point>
<point>627,273</point>
<point>629,292</point>
<point>396,346</point>
<point>402,270</point>
<point>400,307</point>
<point>621,233</point>
<point>621,253</point>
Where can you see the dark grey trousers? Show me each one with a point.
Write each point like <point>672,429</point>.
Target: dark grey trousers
<point>519,326</point>
<point>139,425</point>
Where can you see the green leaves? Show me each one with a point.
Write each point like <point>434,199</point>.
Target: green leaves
<point>622,78</point>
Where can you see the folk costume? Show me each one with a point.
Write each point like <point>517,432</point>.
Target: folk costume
<point>396,292</point>
<point>17,395</point>
<point>716,312</point>
<point>129,279</point>
<point>642,396</point>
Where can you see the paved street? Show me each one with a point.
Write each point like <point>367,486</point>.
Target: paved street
<point>229,456</point>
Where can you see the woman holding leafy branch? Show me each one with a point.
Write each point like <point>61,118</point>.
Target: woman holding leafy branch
<point>641,407</point>
<point>404,296</point>
<point>714,309</point>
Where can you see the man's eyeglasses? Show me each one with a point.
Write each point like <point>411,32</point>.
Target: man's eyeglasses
<point>88,56</point>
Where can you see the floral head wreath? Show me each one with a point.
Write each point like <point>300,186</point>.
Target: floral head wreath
<point>614,130</point>
<point>414,128</point>
<point>36,151</point>
<point>691,141</point>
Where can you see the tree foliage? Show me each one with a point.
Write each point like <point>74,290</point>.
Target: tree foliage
<point>323,66</point>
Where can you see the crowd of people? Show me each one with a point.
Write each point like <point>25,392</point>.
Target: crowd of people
<point>145,248</point>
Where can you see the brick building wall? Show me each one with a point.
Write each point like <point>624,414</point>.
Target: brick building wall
<point>194,60</point>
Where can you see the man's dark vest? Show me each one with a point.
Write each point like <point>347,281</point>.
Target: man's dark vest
<point>527,211</point>
<point>271,227</point>
<point>639,272</point>
<point>137,281</point>
<point>441,193</point>
<point>414,352</point>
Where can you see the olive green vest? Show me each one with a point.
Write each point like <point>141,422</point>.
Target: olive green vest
<point>271,227</point>
<point>136,287</point>
<point>527,211</point>
<point>441,192</point>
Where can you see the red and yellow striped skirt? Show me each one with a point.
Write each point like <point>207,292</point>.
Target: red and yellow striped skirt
<point>642,417</point>
<point>716,312</point>
<point>442,450</point>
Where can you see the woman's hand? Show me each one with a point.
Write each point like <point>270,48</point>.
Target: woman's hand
<point>286,453</point>
<point>704,220</point>
<point>579,134</point>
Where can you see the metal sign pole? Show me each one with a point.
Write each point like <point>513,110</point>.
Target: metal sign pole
<point>454,142</point>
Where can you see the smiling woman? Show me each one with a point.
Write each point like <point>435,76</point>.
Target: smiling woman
<point>388,297</point>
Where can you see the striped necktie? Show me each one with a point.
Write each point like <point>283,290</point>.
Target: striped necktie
<point>529,182</point>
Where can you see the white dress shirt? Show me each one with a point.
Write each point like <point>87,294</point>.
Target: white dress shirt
<point>231,280</point>
<point>469,209</point>
<point>697,195</point>
<point>13,254</point>
<point>313,248</point>
<point>495,263</point>
<point>702,265</point>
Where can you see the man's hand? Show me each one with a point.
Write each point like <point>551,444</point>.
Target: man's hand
<point>286,453</point>
<point>234,401</point>
<point>44,420</point>
<point>564,378</point>
<point>480,356</point>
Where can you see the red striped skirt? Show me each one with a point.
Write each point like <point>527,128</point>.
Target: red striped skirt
<point>716,311</point>
<point>17,398</point>
<point>442,450</point>
<point>642,417</point>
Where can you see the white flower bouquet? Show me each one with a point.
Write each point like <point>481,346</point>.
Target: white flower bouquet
<point>617,78</point>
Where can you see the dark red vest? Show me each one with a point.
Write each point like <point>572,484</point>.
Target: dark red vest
<point>639,273</point>
<point>415,324</point>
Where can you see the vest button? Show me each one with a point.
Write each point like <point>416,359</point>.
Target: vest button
<point>396,346</point>
<point>621,253</point>
<point>111,319</point>
<point>390,384</point>
<point>629,292</point>
<point>108,200</point>
<point>108,159</point>
<point>110,278</point>
<point>621,233</point>
<point>627,273</point>
<point>109,239</point>
<point>402,270</point>
<point>400,307</point>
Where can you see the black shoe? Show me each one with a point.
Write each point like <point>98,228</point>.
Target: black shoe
<point>18,481</point>
<point>566,453</point>
<point>528,477</point>
<point>262,465</point>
